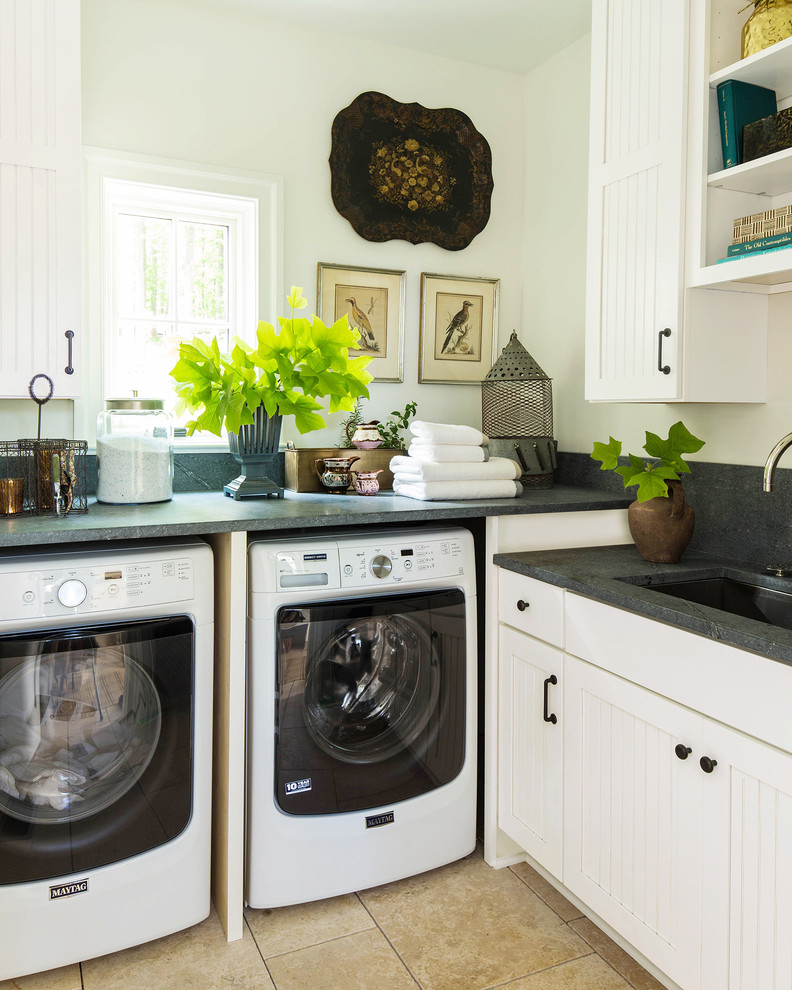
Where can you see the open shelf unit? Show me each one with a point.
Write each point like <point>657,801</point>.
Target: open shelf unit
<point>753,187</point>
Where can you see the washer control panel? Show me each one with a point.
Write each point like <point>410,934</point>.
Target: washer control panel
<point>99,587</point>
<point>395,561</point>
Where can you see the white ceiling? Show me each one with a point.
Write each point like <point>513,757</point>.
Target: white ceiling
<point>513,35</point>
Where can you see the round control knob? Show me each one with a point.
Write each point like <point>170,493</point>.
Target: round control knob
<point>72,593</point>
<point>381,566</point>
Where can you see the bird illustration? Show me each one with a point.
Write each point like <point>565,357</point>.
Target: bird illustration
<point>456,322</point>
<point>361,321</point>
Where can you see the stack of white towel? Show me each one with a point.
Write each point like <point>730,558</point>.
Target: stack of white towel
<point>449,462</point>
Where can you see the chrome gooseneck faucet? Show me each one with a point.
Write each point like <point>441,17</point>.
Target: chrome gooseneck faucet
<point>772,459</point>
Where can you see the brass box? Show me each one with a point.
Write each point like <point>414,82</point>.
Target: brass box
<point>301,473</point>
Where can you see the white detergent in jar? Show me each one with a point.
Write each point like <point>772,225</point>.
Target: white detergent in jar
<point>134,452</point>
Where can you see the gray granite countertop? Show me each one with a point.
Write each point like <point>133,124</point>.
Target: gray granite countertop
<point>618,576</point>
<point>196,514</point>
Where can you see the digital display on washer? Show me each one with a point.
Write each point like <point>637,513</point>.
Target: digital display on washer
<point>406,552</point>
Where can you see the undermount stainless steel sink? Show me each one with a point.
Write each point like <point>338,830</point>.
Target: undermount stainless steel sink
<point>734,596</point>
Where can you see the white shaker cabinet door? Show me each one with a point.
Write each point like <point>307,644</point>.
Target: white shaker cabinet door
<point>632,813</point>
<point>530,745</point>
<point>747,863</point>
<point>40,215</point>
<point>634,292</point>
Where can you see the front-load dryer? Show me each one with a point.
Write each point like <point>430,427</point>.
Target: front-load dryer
<point>105,749</point>
<point>361,759</point>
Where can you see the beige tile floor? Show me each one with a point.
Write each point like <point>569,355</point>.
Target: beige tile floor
<point>461,927</point>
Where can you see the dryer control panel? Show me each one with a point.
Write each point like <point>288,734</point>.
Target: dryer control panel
<point>397,561</point>
<point>100,587</point>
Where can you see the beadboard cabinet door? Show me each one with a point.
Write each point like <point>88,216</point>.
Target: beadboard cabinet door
<point>636,199</point>
<point>632,811</point>
<point>747,863</point>
<point>530,746</point>
<point>40,214</point>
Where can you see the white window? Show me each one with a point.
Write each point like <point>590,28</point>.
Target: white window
<point>174,252</point>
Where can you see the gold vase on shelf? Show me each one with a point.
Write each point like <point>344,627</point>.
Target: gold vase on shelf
<point>769,23</point>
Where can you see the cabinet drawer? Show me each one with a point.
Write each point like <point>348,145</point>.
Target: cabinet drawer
<point>531,606</point>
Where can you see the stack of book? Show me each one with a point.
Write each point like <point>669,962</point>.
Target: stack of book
<point>761,233</point>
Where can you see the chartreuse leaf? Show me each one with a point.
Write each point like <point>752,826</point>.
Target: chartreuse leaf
<point>287,372</point>
<point>608,453</point>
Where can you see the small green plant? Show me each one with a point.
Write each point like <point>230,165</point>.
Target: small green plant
<point>651,477</point>
<point>286,373</point>
<point>391,429</point>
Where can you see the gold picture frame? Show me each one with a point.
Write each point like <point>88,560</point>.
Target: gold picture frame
<point>459,317</point>
<point>373,301</point>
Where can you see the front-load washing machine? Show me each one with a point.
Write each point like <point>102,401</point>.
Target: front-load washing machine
<point>105,749</point>
<point>361,710</point>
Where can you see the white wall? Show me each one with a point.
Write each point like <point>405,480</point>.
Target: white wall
<point>556,127</point>
<point>177,80</point>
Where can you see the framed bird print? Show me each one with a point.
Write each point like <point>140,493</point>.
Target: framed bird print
<point>458,328</point>
<point>372,299</point>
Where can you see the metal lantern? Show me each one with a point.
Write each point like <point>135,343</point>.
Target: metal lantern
<point>517,414</point>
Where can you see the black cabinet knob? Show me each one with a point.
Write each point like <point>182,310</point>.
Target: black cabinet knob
<point>707,765</point>
<point>522,606</point>
<point>683,752</point>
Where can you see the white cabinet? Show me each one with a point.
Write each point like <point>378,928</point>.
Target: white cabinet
<point>632,849</point>
<point>648,338</point>
<point>530,750</point>
<point>40,214</point>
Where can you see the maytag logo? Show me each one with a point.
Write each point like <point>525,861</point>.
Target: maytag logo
<point>67,889</point>
<point>298,786</point>
<point>374,821</point>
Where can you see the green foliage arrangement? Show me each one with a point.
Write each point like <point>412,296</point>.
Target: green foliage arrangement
<point>651,478</point>
<point>391,429</point>
<point>286,372</point>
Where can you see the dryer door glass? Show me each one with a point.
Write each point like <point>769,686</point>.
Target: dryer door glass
<point>371,700</point>
<point>95,745</point>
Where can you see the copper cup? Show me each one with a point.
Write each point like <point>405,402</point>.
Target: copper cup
<point>12,495</point>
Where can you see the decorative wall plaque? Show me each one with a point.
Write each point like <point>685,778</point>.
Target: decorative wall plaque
<point>402,171</point>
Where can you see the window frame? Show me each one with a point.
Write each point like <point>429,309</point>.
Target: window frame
<point>254,202</point>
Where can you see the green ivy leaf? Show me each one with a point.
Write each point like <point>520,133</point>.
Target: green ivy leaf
<point>608,453</point>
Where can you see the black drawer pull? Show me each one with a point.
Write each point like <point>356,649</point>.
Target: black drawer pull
<point>707,765</point>
<point>552,679</point>
<point>664,368</point>
<point>522,606</point>
<point>683,752</point>
<point>69,369</point>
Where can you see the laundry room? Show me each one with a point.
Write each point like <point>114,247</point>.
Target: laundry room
<point>332,651</point>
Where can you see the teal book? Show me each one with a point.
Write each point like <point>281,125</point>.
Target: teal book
<point>772,250</point>
<point>760,244</point>
<point>740,103</point>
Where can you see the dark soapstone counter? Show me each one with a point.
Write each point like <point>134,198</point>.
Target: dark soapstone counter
<point>197,514</point>
<point>605,573</point>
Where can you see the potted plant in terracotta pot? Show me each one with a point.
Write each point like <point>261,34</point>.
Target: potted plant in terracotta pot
<point>661,521</point>
<point>250,390</point>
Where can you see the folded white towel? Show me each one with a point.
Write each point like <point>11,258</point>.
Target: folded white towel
<point>408,469</point>
<point>447,433</point>
<point>448,452</point>
<point>452,491</point>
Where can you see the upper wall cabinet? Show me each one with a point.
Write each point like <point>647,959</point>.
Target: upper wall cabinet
<point>40,214</point>
<point>648,337</point>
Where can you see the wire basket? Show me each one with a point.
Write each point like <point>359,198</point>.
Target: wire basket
<point>43,477</point>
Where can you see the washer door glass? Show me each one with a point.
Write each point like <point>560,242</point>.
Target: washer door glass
<point>78,727</point>
<point>373,689</point>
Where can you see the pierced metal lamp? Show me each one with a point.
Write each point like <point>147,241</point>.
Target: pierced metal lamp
<point>517,414</point>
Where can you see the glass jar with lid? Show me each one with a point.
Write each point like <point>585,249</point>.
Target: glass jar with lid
<point>134,452</point>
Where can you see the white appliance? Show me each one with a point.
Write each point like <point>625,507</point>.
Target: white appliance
<point>362,664</point>
<point>105,749</point>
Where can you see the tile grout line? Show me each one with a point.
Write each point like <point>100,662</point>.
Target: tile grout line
<point>380,929</point>
<point>547,903</point>
<point>547,969</point>
<point>258,949</point>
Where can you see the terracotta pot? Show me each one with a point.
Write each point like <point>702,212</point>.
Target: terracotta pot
<point>662,527</point>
